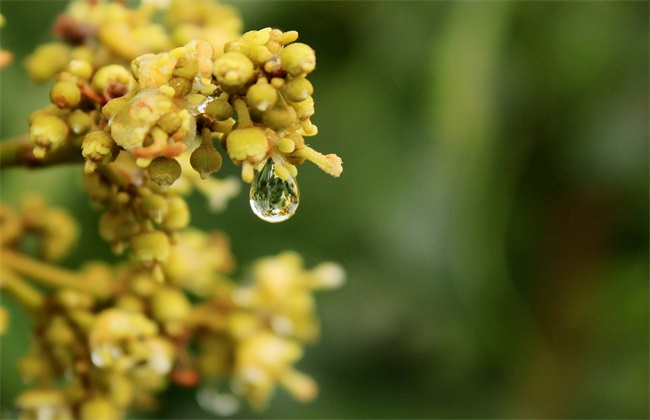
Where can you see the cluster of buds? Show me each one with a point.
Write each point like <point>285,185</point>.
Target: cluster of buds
<point>102,350</point>
<point>143,104</point>
<point>251,93</point>
<point>103,32</point>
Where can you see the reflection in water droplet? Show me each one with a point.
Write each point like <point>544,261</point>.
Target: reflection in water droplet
<point>218,399</point>
<point>273,199</point>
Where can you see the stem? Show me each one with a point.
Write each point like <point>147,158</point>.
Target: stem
<point>206,137</point>
<point>330,164</point>
<point>53,276</point>
<point>27,296</point>
<point>18,151</point>
<point>114,175</point>
<point>243,116</point>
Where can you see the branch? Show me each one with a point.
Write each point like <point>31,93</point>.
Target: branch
<point>52,276</point>
<point>27,296</point>
<point>18,151</point>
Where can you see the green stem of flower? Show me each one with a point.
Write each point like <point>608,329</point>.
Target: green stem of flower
<point>243,117</point>
<point>52,276</point>
<point>27,296</point>
<point>206,137</point>
<point>18,151</point>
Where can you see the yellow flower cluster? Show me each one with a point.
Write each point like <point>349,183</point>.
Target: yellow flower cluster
<point>252,92</point>
<point>118,346</point>
<point>142,95</point>
<point>105,32</point>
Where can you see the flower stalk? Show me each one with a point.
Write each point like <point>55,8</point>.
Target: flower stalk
<point>25,294</point>
<point>52,276</point>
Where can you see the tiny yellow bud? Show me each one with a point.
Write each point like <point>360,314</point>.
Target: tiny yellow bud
<point>154,207</point>
<point>113,73</point>
<point>98,408</point>
<point>178,214</point>
<point>247,143</point>
<point>279,118</point>
<point>181,85</point>
<point>170,304</point>
<point>286,145</point>
<point>298,58</point>
<point>150,247</point>
<point>167,90</point>
<point>219,109</point>
<point>79,121</point>
<point>298,89</point>
<point>48,131</point>
<point>262,96</point>
<point>65,94</point>
<point>80,68</point>
<point>233,69</point>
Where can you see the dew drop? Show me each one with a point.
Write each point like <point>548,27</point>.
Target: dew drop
<point>273,199</point>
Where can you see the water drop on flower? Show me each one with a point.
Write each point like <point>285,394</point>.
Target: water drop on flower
<point>273,199</point>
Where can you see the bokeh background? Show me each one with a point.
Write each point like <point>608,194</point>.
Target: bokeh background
<point>492,215</point>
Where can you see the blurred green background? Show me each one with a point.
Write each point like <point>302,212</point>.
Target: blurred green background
<point>492,215</point>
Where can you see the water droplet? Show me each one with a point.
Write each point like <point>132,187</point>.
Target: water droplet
<point>217,398</point>
<point>273,199</point>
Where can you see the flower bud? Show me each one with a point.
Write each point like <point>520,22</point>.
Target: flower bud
<point>247,144</point>
<point>34,366</point>
<point>233,69</point>
<point>43,403</point>
<point>73,299</point>
<point>206,160</point>
<point>98,408</point>
<point>47,132</point>
<point>178,214</point>
<point>80,68</point>
<point>170,122</point>
<point>279,118</point>
<point>118,226</point>
<point>182,86</point>
<point>150,247</point>
<point>298,58</point>
<point>164,171</point>
<point>65,94</point>
<point>120,389</point>
<point>97,148</point>
<point>298,89</point>
<point>79,121</point>
<point>262,96</point>
<point>59,332</point>
<point>113,73</point>
<point>130,303</point>
<point>219,109</point>
<point>170,304</point>
<point>47,60</point>
<point>154,207</point>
